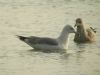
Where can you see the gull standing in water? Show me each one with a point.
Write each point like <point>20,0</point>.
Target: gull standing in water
<point>84,33</point>
<point>45,43</point>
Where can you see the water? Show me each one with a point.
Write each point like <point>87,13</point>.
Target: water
<point>47,18</point>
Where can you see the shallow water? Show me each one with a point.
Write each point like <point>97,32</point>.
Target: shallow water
<point>47,18</point>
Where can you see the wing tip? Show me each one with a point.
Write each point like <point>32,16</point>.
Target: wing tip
<point>22,38</point>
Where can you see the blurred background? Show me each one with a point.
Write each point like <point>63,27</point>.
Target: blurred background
<point>47,18</point>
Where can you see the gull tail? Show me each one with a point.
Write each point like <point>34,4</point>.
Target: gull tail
<point>22,38</point>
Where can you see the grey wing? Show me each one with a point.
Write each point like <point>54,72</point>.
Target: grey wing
<point>39,40</point>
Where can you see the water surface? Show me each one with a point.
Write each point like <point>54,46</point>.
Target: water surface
<point>47,18</point>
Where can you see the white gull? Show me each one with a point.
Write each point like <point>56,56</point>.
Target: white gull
<point>45,43</point>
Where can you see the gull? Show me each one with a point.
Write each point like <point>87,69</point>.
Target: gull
<point>46,43</point>
<point>84,33</point>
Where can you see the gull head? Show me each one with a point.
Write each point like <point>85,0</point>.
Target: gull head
<point>69,29</point>
<point>78,22</point>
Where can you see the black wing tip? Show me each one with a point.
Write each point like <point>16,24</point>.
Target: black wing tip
<point>21,37</point>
